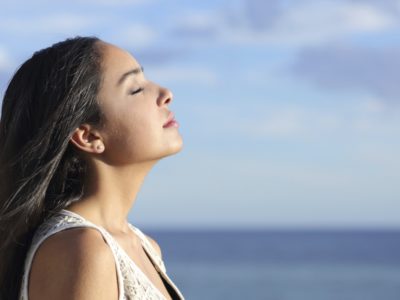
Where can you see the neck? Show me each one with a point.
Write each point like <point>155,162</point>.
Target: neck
<point>110,193</point>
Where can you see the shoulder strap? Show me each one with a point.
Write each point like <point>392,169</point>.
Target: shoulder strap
<point>54,225</point>
<point>159,264</point>
<point>150,249</point>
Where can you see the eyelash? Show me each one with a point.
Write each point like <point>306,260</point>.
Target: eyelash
<point>136,91</point>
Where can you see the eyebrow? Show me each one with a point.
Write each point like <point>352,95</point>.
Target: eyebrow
<point>131,72</point>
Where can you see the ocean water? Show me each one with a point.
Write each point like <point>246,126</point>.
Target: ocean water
<point>283,265</point>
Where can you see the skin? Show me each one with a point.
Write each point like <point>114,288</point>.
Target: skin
<point>119,155</point>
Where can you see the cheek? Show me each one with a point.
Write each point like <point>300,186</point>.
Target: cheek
<point>135,137</point>
<point>143,132</point>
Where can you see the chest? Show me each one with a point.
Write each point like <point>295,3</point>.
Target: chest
<point>134,249</point>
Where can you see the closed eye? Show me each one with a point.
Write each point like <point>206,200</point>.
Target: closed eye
<point>135,91</point>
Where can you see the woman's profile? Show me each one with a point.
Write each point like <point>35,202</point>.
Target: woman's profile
<point>81,127</point>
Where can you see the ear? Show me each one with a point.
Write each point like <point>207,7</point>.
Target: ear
<point>87,139</point>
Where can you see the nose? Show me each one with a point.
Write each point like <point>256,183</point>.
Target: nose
<point>165,96</point>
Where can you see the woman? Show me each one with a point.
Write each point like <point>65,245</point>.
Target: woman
<point>80,129</point>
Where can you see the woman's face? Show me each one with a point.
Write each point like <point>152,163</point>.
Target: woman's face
<point>135,110</point>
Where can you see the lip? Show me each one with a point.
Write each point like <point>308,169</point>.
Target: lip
<point>170,121</point>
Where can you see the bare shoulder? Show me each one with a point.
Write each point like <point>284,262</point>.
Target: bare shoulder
<point>154,244</point>
<point>73,264</point>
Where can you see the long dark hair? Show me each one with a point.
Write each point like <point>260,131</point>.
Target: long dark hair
<point>50,95</point>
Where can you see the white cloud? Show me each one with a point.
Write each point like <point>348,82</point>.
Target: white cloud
<point>319,22</point>
<point>373,105</point>
<point>381,156</point>
<point>6,61</point>
<point>184,75</point>
<point>291,122</point>
<point>266,121</point>
<point>115,2</point>
<point>316,22</point>
<point>302,23</point>
<point>197,18</point>
<point>34,4</point>
<point>276,124</point>
<point>135,36</point>
<point>363,17</point>
<point>64,23</point>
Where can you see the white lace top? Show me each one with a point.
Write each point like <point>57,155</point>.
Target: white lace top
<point>133,284</point>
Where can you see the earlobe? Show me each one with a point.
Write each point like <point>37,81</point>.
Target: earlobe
<point>99,148</point>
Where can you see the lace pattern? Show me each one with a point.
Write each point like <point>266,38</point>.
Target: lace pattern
<point>133,284</point>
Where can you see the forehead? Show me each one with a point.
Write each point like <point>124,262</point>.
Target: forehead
<point>116,61</point>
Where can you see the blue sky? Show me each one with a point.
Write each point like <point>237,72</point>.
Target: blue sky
<point>289,110</point>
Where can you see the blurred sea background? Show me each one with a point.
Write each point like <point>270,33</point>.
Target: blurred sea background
<point>287,186</point>
<point>283,264</point>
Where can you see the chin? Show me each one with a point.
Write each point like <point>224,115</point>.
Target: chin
<point>174,148</point>
<point>177,147</point>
